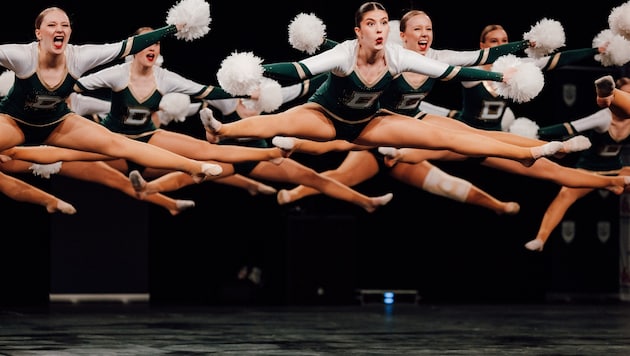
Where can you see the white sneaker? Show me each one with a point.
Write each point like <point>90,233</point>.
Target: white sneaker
<point>211,169</point>
<point>137,181</point>
<point>209,122</point>
<point>604,86</point>
<point>285,143</point>
<point>390,152</point>
<point>534,245</point>
<point>576,144</point>
<point>184,204</point>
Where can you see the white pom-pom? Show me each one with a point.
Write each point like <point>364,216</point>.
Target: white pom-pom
<point>617,51</point>
<point>240,73</point>
<point>548,36</point>
<point>45,170</point>
<point>394,33</point>
<point>523,126</point>
<point>507,119</point>
<point>7,78</point>
<point>270,96</point>
<point>174,106</point>
<point>194,15</point>
<point>525,83</point>
<point>619,20</point>
<point>306,33</point>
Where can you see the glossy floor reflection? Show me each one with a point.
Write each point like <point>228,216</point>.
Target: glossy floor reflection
<point>374,329</point>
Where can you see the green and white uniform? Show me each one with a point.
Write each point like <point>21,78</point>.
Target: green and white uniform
<point>403,98</point>
<point>483,108</point>
<point>604,156</point>
<point>130,115</point>
<point>227,109</point>
<point>38,108</point>
<point>349,101</point>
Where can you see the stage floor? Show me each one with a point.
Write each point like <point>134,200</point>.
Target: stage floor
<point>372,329</point>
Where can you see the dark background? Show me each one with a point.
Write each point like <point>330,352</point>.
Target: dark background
<point>446,250</point>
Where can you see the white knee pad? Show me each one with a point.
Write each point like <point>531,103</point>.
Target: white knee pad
<point>440,183</point>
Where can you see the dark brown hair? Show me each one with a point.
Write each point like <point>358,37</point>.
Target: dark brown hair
<point>366,7</point>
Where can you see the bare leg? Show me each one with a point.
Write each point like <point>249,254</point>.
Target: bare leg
<point>202,150</point>
<point>21,191</point>
<point>357,167</point>
<point>552,217</point>
<point>426,176</point>
<point>291,171</point>
<point>78,133</point>
<point>254,187</point>
<point>391,130</point>
<point>50,154</point>
<point>542,169</point>
<point>102,173</point>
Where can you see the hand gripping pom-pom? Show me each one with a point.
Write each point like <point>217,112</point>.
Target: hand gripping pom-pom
<point>617,51</point>
<point>306,33</point>
<point>548,36</point>
<point>524,85</point>
<point>240,73</point>
<point>194,15</point>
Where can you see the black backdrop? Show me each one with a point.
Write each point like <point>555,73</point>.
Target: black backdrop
<point>446,250</point>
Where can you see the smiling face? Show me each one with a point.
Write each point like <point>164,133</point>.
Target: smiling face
<point>53,30</point>
<point>417,32</point>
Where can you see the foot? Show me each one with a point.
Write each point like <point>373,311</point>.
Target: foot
<point>618,189</point>
<point>511,208</point>
<point>208,170</point>
<point>138,183</point>
<point>211,125</point>
<point>604,86</point>
<point>392,155</point>
<point>378,202</point>
<point>546,150</point>
<point>181,205</point>
<point>576,144</point>
<point>535,245</point>
<point>283,197</point>
<point>62,207</point>
<point>262,189</point>
<point>286,144</point>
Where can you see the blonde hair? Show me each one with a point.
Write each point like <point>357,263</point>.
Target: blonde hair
<point>488,29</point>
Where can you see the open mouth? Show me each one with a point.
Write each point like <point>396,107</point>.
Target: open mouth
<point>58,41</point>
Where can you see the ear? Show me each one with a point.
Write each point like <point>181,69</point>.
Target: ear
<point>357,31</point>
<point>38,34</point>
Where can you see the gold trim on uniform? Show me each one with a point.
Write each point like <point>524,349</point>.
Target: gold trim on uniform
<point>305,85</point>
<point>141,134</point>
<point>41,125</point>
<point>453,73</point>
<point>206,92</point>
<point>554,61</point>
<point>128,46</point>
<point>568,127</point>
<point>337,118</point>
<point>299,70</point>
<point>484,55</point>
